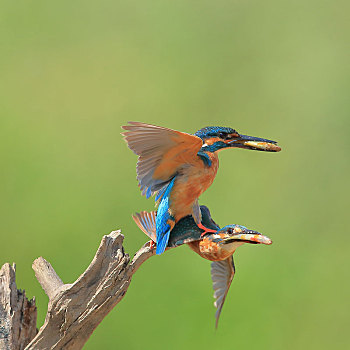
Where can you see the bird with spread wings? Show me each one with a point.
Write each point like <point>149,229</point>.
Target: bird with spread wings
<point>178,167</point>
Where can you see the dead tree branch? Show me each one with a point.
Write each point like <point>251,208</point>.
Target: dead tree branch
<point>75,310</point>
<point>17,313</point>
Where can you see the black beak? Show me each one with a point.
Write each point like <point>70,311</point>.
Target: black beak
<point>254,143</point>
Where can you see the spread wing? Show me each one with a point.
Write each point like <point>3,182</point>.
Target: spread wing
<point>222,273</point>
<point>162,152</point>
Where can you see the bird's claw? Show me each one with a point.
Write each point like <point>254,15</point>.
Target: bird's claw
<point>152,244</point>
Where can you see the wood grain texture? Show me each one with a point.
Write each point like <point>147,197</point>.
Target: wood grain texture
<point>75,310</point>
<point>17,314</point>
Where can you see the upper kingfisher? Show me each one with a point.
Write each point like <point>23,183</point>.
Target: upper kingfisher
<point>217,246</point>
<point>178,167</point>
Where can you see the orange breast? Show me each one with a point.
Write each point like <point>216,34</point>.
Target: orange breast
<point>209,250</point>
<point>190,183</point>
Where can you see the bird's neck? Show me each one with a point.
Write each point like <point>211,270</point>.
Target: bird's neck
<point>207,157</point>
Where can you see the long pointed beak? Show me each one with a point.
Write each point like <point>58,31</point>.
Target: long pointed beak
<point>254,143</point>
<point>254,237</point>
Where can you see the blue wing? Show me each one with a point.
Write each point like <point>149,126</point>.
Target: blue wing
<point>164,220</point>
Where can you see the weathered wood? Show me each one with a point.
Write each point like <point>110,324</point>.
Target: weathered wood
<point>17,313</point>
<point>47,277</point>
<point>75,310</point>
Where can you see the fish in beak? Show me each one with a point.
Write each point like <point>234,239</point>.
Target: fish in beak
<point>253,143</point>
<point>238,233</point>
<point>222,272</point>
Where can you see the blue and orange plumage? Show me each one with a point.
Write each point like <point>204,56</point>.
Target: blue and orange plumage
<point>179,167</point>
<point>217,246</point>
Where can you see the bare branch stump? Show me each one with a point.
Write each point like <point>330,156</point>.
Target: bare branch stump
<point>17,313</point>
<point>75,310</point>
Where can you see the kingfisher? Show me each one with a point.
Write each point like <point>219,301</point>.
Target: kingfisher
<point>217,246</point>
<point>178,167</point>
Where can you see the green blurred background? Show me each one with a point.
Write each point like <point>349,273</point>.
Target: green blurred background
<point>73,72</point>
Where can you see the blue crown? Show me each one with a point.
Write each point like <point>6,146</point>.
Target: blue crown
<point>212,131</point>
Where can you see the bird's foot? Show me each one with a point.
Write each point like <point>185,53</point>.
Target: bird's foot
<point>152,244</point>
<point>205,229</point>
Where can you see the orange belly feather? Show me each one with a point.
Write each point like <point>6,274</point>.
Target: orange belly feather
<point>210,250</point>
<point>191,182</point>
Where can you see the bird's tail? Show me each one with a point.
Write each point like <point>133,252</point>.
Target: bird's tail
<point>162,242</point>
<point>146,221</point>
<point>164,220</point>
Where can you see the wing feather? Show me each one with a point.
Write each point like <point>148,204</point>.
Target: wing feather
<point>222,273</point>
<point>147,223</point>
<point>161,152</point>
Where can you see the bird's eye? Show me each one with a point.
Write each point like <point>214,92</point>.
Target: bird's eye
<point>233,135</point>
<point>223,135</point>
<point>230,231</point>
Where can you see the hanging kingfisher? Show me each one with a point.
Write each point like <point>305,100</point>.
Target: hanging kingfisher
<point>178,167</point>
<point>217,246</point>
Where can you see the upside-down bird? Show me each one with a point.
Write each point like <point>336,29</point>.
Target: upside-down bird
<point>217,246</point>
<point>178,167</point>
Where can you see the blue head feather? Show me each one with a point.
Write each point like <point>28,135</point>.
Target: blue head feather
<point>243,228</point>
<point>214,131</point>
<point>214,147</point>
<point>226,228</point>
